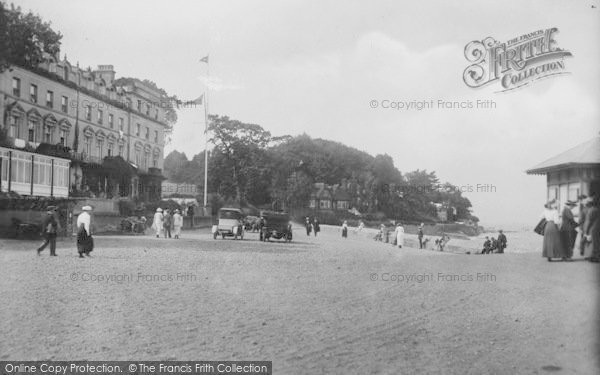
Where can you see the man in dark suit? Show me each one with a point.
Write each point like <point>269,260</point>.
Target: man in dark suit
<point>49,231</point>
<point>583,210</point>
<point>502,242</point>
<point>420,235</point>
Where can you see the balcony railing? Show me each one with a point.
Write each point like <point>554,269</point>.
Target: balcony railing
<point>85,158</point>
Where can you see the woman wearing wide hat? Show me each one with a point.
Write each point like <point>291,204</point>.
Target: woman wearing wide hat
<point>553,246</point>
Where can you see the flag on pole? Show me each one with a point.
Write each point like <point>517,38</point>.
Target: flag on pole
<point>204,59</point>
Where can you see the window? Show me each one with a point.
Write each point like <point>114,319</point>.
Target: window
<point>147,109</point>
<point>111,149</point>
<point>99,147</point>
<point>139,105</point>
<point>156,114</point>
<point>47,134</point>
<point>155,160</point>
<point>87,146</point>
<point>137,130</point>
<point>146,159</point>
<point>111,120</point>
<point>33,91</point>
<point>31,130</point>
<point>13,130</point>
<point>156,136</point>
<point>121,123</point>
<point>88,113</point>
<point>64,102</point>
<point>100,116</point>
<point>147,132</point>
<point>121,149</point>
<point>325,204</point>
<point>66,73</point>
<point>49,99</point>
<point>16,82</point>
<point>64,135</point>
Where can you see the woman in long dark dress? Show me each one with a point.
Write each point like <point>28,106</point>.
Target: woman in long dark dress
<point>591,231</point>
<point>553,245</point>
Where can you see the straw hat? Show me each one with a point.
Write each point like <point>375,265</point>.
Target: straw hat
<point>159,209</point>
<point>86,208</point>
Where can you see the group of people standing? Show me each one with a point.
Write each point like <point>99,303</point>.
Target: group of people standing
<point>167,220</point>
<point>312,226</point>
<point>560,229</point>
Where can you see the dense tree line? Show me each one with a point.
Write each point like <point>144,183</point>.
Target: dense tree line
<point>249,165</point>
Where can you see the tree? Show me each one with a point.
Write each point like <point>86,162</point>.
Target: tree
<point>24,38</point>
<point>242,147</point>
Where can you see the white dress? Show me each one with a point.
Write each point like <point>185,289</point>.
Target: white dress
<point>157,223</point>
<point>400,236</point>
<point>177,223</point>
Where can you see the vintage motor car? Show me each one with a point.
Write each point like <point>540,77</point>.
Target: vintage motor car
<point>230,224</point>
<point>275,225</point>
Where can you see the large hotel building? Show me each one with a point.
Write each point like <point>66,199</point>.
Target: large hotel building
<point>67,131</point>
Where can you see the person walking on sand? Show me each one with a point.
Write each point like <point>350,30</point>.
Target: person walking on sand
<point>317,227</point>
<point>399,234</point>
<point>167,222</point>
<point>49,231</point>
<point>502,242</point>
<point>177,223</point>
<point>345,229</point>
<point>552,246</point>
<point>157,223</point>
<point>420,235</point>
<point>591,230</point>
<point>85,241</point>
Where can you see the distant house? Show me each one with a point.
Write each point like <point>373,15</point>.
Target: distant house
<point>169,188</point>
<point>329,197</point>
<point>572,173</point>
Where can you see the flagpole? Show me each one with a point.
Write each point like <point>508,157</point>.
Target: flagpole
<point>206,137</point>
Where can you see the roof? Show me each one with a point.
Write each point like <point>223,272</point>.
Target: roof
<point>584,155</point>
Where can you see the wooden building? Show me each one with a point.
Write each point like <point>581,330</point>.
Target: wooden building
<point>572,173</point>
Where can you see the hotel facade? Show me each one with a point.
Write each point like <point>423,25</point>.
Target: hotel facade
<point>68,131</point>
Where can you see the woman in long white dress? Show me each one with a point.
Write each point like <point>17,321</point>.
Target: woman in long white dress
<point>157,223</point>
<point>399,235</point>
<point>553,246</point>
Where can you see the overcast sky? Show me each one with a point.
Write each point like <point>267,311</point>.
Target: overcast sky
<point>314,66</point>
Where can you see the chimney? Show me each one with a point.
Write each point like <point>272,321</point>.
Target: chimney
<point>107,73</point>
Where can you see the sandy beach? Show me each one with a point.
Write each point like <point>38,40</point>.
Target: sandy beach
<point>318,305</point>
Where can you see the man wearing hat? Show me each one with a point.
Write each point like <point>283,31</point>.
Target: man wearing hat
<point>502,242</point>
<point>85,242</point>
<point>583,210</point>
<point>568,234</point>
<point>49,231</point>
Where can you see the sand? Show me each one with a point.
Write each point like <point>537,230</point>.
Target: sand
<point>318,305</point>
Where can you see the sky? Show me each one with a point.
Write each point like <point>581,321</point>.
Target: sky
<point>316,67</point>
